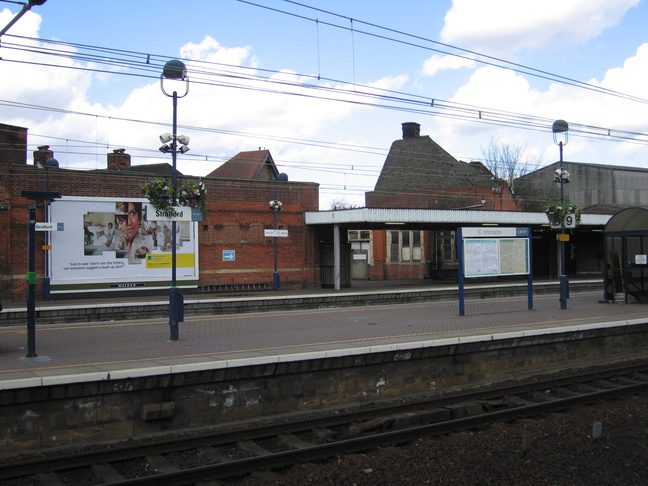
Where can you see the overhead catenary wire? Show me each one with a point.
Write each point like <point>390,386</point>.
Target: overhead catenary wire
<point>149,65</point>
<point>389,99</point>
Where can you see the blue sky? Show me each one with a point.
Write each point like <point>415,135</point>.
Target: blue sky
<point>341,143</point>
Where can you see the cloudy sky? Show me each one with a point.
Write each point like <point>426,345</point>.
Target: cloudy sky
<point>325,85</point>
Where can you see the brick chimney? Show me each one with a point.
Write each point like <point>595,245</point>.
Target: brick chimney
<point>42,154</point>
<point>13,144</point>
<point>118,159</point>
<point>411,130</point>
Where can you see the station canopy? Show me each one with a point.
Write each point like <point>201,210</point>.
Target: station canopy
<point>629,221</point>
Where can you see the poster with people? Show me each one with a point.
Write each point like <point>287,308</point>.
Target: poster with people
<point>118,244</point>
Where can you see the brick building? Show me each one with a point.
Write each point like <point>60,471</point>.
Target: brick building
<point>237,217</point>
<point>419,174</point>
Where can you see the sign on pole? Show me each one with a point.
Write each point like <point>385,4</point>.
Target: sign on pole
<point>276,233</point>
<point>49,226</point>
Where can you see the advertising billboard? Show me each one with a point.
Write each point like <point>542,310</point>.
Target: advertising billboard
<point>115,244</point>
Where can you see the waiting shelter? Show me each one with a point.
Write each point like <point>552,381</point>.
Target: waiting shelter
<point>626,255</point>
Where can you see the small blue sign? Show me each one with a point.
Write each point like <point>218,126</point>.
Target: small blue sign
<point>522,232</point>
<point>229,255</point>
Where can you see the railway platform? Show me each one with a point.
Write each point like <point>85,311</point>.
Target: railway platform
<point>119,375</point>
<point>99,350</point>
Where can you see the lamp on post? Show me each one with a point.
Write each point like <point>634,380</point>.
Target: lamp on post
<point>38,197</point>
<point>45,290</point>
<point>560,129</point>
<point>174,70</point>
<point>26,7</point>
<point>275,207</point>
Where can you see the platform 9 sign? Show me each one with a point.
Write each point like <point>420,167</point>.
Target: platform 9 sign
<point>570,221</point>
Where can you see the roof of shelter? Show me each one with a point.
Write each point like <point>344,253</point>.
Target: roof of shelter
<point>418,163</point>
<point>252,165</point>
<point>629,220</point>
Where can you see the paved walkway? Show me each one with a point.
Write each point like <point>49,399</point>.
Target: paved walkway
<point>69,353</point>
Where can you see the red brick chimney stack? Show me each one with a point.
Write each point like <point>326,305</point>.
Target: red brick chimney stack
<point>13,144</point>
<point>42,154</point>
<point>411,130</point>
<point>118,159</point>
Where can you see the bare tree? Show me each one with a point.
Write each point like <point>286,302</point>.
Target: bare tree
<point>338,204</point>
<point>508,160</point>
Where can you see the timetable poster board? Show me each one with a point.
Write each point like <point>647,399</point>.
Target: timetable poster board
<point>514,256</point>
<point>118,244</point>
<point>481,258</point>
<point>492,257</point>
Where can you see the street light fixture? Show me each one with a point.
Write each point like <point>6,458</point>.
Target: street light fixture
<point>276,206</point>
<point>560,129</point>
<point>45,290</point>
<point>174,70</point>
<point>26,7</point>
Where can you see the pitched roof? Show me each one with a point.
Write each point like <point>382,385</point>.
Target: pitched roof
<point>252,165</point>
<point>420,164</point>
<point>163,169</point>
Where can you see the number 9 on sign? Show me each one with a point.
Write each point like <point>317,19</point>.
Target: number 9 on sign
<point>570,220</point>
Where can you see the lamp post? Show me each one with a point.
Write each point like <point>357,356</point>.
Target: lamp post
<point>26,7</point>
<point>45,290</point>
<point>38,197</point>
<point>174,70</point>
<point>275,207</point>
<point>560,129</point>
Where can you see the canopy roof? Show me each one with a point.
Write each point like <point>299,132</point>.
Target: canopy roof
<point>629,220</point>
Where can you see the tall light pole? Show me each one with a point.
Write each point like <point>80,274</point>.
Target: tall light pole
<point>39,197</point>
<point>174,70</point>
<point>26,7</point>
<point>275,207</point>
<point>560,129</point>
<point>49,163</point>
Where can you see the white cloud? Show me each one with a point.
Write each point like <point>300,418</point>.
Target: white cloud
<point>499,27</point>
<point>508,91</point>
<point>437,63</point>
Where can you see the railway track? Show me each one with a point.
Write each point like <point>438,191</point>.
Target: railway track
<point>232,453</point>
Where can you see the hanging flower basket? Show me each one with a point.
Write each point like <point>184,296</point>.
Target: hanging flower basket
<point>159,192</point>
<point>193,194</point>
<point>190,193</point>
<point>557,211</point>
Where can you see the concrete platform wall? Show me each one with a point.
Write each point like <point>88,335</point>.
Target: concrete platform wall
<point>79,412</point>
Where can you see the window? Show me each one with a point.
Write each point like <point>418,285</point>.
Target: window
<point>405,246</point>
<point>359,235</point>
<point>447,247</point>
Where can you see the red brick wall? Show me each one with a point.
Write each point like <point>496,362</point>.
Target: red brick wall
<point>237,215</point>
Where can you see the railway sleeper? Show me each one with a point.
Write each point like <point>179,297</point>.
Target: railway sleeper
<point>160,464</point>
<point>49,479</point>
<point>586,388</point>
<point>465,409</point>
<point>293,441</point>
<point>565,392</point>
<point>212,455</point>
<point>376,424</point>
<point>106,473</point>
<point>624,380</point>
<point>252,448</point>
<point>515,401</point>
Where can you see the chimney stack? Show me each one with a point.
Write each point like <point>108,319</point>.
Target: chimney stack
<point>118,159</point>
<point>411,130</point>
<point>13,144</point>
<point>42,154</point>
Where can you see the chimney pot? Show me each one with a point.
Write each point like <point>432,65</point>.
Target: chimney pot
<point>42,154</point>
<point>411,130</point>
<point>118,159</point>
